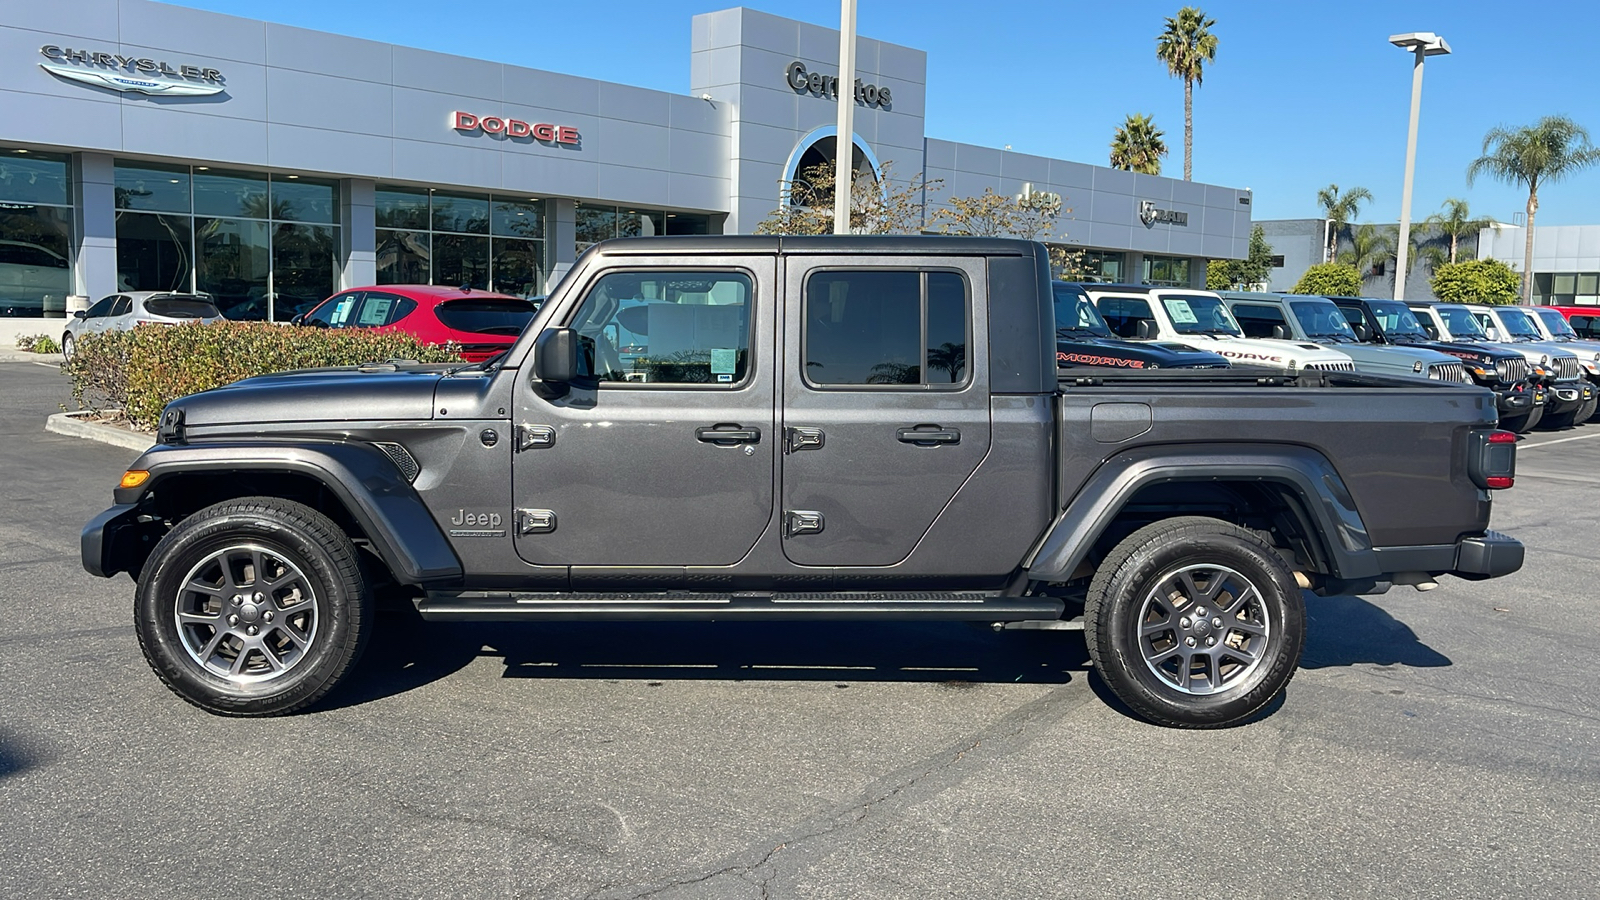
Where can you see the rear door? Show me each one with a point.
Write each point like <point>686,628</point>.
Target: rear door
<point>885,402</point>
<point>663,455</point>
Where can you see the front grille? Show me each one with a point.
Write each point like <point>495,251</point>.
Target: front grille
<point>1449,372</point>
<point>1333,366</point>
<point>1511,370</point>
<point>1567,368</point>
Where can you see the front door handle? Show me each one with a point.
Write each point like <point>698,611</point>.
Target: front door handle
<point>928,435</point>
<point>727,435</point>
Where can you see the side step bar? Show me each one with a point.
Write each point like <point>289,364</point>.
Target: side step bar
<point>491,606</point>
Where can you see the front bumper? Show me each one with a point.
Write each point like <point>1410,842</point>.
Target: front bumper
<point>1566,396</point>
<point>115,541</point>
<point>1517,402</point>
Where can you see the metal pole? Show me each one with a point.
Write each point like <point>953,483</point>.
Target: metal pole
<point>844,145</point>
<point>1404,239</point>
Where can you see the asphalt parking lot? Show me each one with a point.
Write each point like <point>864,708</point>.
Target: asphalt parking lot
<point>1433,744</point>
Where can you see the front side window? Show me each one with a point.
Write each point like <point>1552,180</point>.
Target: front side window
<point>666,327</point>
<point>1198,314</point>
<point>335,313</point>
<point>1258,320</point>
<point>102,307</point>
<point>1124,315</point>
<point>1585,326</point>
<point>896,327</point>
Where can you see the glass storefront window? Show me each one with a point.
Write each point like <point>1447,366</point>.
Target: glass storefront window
<point>1169,271</point>
<point>403,257</point>
<point>398,207</point>
<point>517,218</point>
<point>231,194</point>
<point>517,266</point>
<point>146,186</point>
<point>303,273</point>
<point>305,199</point>
<point>687,223</point>
<point>35,233</point>
<point>153,252</point>
<point>595,224</point>
<point>463,213</point>
<point>234,259</point>
<point>460,259</point>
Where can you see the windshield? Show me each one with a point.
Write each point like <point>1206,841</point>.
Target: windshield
<point>1556,322</point>
<point>1074,312</point>
<point>1517,324</point>
<point>1397,319</point>
<point>1461,324</point>
<point>1321,320</point>
<point>1196,314</point>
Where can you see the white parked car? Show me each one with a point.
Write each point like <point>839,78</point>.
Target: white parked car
<point>124,311</point>
<point>1201,320</point>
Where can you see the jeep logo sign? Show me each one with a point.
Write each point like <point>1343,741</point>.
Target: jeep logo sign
<point>467,123</point>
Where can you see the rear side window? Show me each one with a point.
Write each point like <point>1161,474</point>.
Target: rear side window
<point>1258,320</point>
<point>893,327</point>
<point>181,307</point>
<point>486,315</point>
<point>1123,315</point>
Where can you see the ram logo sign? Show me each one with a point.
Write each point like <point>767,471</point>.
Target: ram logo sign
<point>1149,214</point>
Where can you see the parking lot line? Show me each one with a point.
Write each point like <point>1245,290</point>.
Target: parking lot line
<point>1529,445</point>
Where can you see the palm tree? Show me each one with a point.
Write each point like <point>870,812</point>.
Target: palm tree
<point>1137,146</point>
<point>1339,209</point>
<point>1368,246</point>
<point>1186,46</point>
<point>1546,151</point>
<point>1455,221</point>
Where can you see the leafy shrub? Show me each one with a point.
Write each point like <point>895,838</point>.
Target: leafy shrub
<point>1477,281</point>
<point>37,343</point>
<point>1330,280</point>
<point>144,369</point>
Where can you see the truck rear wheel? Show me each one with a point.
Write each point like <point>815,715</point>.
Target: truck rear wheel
<point>1194,622</point>
<point>252,607</point>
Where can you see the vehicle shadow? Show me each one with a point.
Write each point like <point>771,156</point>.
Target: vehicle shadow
<point>407,653</point>
<point>14,758</point>
<point>1346,630</point>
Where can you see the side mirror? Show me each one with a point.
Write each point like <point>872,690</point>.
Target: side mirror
<point>555,358</point>
<point>1279,332</point>
<point>1430,330</point>
<point>1145,329</point>
<point>299,319</point>
<point>1361,331</point>
<point>81,314</point>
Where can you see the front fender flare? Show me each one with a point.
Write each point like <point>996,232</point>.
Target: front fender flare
<point>1304,471</point>
<point>392,516</point>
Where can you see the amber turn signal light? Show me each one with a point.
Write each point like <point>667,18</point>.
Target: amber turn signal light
<point>134,477</point>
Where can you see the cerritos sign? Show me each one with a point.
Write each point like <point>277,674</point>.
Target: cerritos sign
<point>817,84</point>
<point>130,74</point>
<point>545,133</point>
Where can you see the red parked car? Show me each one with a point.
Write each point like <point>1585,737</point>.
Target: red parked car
<point>482,323</point>
<point>1585,320</point>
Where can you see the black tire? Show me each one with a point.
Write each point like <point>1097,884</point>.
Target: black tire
<point>1231,573</point>
<point>251,642</point>
<point>1524,423</point>
<point>66,345</point>
<point>1587,411</point>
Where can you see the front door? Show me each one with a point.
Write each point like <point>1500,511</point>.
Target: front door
<point>663,454</point>
<point>885,402</point>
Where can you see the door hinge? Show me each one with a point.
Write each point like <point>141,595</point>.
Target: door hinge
<point>796,439</point>
<point>535,437</point>
<point>536,521</point>
<point>803,521</point>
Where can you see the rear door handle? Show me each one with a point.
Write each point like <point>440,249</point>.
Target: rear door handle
<point>728,435</point>
<point>928,435</point>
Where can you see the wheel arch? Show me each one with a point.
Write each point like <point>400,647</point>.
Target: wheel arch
<point>1294,488</point>
<point>356,486</point>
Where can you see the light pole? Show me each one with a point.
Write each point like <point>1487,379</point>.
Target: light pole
<point>844,145</point>
<point>1424,44</point>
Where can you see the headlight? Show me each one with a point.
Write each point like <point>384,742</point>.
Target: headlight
<point>1416,366</point>
<point>1544,360</point>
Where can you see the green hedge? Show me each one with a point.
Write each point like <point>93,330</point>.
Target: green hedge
<point>142,370</point>
<point>1330,280</point>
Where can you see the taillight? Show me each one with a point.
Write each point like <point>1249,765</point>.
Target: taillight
<point>1493,460</point>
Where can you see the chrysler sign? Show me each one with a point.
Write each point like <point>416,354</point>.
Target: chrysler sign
<point>130,74</point>
<point>467,123</point>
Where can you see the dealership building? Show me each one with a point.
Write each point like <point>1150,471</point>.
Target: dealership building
<point>154,147</point>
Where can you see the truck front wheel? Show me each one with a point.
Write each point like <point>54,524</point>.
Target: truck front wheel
<point>252,607</point>
<point>1194,622</point>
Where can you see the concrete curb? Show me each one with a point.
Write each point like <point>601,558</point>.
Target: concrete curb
<point>72,425</point>
<point>12,354</point>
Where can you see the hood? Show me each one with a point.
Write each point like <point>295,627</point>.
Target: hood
<point>1277,354</point>
<point>1467,351</point>
<point>350,394</point>
<point>1395,355</point>
<point>1114,353</point>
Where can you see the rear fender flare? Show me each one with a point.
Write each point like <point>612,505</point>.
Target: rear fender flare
<point>1307,473</point>
<point>402,531</point>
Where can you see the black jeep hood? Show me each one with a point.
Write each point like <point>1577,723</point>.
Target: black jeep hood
<point>366,394</point>
<point>1470,352</point>
<point>1112,353</point>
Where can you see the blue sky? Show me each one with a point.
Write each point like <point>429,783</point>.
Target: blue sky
<point>1302,94</point>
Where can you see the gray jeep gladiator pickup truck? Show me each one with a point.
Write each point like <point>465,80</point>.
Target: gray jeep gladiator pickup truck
<point>844,428</point>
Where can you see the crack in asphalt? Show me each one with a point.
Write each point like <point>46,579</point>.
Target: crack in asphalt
<point>1000,736</point>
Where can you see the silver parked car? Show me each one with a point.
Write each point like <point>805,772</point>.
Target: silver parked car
<point>124,311</point>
